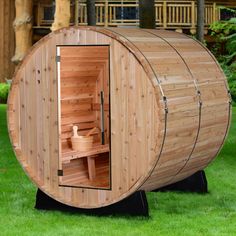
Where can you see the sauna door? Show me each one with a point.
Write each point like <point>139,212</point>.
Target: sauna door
<point>83,103</point>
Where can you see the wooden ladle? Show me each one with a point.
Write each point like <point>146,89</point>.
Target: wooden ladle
<point>91,131</point>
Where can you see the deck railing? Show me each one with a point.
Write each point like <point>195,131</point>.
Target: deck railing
<point>169,14</point>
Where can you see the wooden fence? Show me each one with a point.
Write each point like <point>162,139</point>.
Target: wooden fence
<point>169,14</point>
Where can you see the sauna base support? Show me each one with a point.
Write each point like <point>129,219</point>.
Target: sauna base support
<point>196,183</point>
<point>135,205</point>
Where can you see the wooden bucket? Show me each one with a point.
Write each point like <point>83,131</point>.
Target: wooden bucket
<point>82,143</point>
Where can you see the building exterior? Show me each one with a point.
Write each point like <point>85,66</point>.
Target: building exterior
<point>178,15</point>
<point>169,14</point>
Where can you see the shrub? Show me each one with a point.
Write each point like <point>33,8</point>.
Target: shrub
<point>224,33</point>
<point>4,90</point>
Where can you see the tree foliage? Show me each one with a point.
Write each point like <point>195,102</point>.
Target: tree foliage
<point>4,90</point>
<point>224,33</point>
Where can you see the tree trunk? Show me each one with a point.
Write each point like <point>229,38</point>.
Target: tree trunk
<point>200,20</point>
<point>91,12</point>
<point>147,18</point>
<point>23,28</point>
<point>62,15</point>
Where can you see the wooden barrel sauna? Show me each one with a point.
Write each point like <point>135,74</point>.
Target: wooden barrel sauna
<point>157,100</point>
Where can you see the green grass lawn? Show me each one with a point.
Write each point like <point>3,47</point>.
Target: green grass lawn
<point>170,213</point>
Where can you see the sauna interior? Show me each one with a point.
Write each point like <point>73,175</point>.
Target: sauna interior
<point>83,79</point>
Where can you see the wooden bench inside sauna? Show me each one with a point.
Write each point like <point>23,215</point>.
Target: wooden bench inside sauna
<point>84,105</point>
<point>156,103</point>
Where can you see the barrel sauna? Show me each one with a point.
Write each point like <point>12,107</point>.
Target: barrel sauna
<point>158,101</point>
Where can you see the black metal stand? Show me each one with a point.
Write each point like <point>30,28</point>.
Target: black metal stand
<point>196,183</point>
<point>135,205</point>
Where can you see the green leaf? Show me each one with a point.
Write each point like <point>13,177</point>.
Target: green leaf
<point>4,90</point>
<point>233,20</point>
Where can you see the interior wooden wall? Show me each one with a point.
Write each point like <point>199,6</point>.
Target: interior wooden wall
<point>7,40</point>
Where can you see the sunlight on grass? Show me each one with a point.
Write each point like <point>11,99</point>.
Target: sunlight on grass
<point>170,213</point>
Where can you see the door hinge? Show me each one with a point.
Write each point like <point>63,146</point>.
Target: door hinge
<point>58,58</point>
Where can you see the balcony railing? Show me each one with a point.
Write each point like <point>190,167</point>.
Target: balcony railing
<point>169,14</point>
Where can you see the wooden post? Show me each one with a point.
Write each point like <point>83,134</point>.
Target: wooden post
<point>76,12</point>
<point>91,16</point>
<point>23,29</point>
<point>62,15</point>
<point>106,13</point>
<point>147,17</point>
<point>214,12</point>
<point>200,19</point>
<point>164,15</point>
<point>193,26</point>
